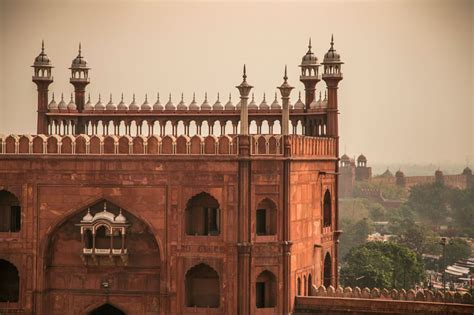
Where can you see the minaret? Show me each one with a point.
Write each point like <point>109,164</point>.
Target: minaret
<point>43,78</point>
<point>309,75</point>
<point>285,90</point>
<point>79,79</point>
<point>244,90</point>
<point>332,75</point>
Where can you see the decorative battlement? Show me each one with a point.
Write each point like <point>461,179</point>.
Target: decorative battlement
<point>273,145</point>
<point>423,295</point>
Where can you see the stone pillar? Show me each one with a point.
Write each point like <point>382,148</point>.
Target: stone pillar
<point>244,90</point>
<point>285,90</point>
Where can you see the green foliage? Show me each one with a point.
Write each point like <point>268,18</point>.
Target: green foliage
<point>416,237</point>
<point>382,265</point>
<point>354,234</point>
<point>456,249</point>
<point>356,209</point>
<point>462,206</point>
<point>430,202</point>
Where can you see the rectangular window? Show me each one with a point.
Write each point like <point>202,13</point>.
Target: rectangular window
<point>260,294</point>
<point>261,222</point>
<point>15,219</point>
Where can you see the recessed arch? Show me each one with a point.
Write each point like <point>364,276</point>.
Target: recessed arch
<point>72,212</point>
<point>327,270</point>
<point>203,215</point>
<point>10,212</point>
<point>202,287</point>
<point>266,217</point>
<point>10,282</point>
<point>266,290</point>
<point>106,309</point>
<point>327,209</point>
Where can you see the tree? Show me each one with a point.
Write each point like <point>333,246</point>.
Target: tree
<point>462,206</point>
<point>430,202</point>
<point>456,249</point>
<point>416,237</point>
<point>382,265</point>
<point>354,235</point>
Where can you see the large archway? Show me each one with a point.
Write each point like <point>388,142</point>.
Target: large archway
<point>101,249</point>
<point>107,309</point>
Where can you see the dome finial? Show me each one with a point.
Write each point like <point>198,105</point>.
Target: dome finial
<point>146,97</point>
<point>230,96</point>
<point>121,97</point>
<point>245,73</point>
<point>99,97</point>
<point>182,96</point>
<point>332,40</point>
<point>299,95</point>
<point>62,96</point>
<point>42,46</point>
<point>169,98</point>
<point>309,45</point>
<point>286,76</point>
<point>264,96</point>
<point>80,50</point>
<point>194,96</point>
<point>158,96</point>
<point>218,96</point>
<point>53,96</point>
<point>110,98</point>
<point>133,97</point>
<point>275,96</point>
<point>205,96</point>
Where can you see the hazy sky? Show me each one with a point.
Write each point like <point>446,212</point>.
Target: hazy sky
<point>407,93</point>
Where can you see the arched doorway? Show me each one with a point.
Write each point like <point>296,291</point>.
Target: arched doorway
<point>106,309</point>
<point>10,212</point>
<point>327,270</point>
<point>265,221</point>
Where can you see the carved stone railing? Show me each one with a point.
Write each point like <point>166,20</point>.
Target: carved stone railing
<point>310,146</point>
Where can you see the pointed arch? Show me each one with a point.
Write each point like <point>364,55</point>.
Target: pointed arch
<point>81,209</point>
<point>327,270</point>
<point>202,287</point>
<point>327,209</point>
<point>10,212</point>
<point>266,290</point>
<point>106,309</point>
<point>266,217</point>
<point>10,283</point>
<point>202,215</point>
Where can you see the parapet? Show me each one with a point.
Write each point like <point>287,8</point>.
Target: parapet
<point>422,295</point>
<point>260,145</point>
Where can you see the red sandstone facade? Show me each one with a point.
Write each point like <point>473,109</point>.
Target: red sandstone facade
<point>116,218</point>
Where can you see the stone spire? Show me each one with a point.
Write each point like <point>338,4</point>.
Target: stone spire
<point>244,90</point>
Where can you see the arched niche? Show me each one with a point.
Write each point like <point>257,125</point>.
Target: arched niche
<point>266,290</point>
<point>10,212</point>
<point>203,216</point>
<point>202,287</point>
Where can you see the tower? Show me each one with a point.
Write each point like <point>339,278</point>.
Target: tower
<point>309,75</point>
<point>332,75</point>
<point>79,79</point>
<point>42,78</point>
